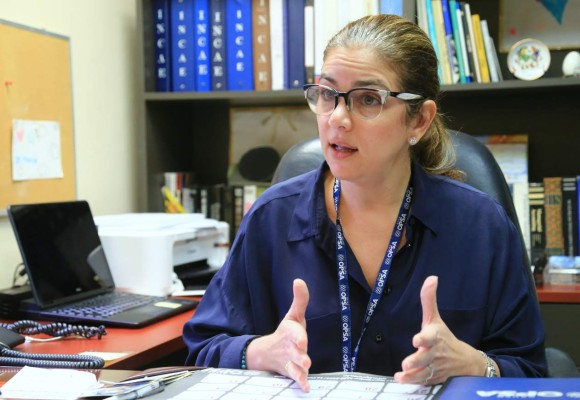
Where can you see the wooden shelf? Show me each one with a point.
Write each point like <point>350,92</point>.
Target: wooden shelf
<point>563,293</point>
<point>296,96</point>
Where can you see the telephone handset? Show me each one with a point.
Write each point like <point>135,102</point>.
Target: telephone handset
<point>10,337</point>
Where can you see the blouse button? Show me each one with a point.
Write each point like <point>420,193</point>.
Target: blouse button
<point>388,290</point>
<point>379,337</point>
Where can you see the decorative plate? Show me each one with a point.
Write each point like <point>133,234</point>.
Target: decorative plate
<point>528,59</point>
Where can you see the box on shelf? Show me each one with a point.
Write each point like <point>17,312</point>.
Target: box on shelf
<point>562,269</point>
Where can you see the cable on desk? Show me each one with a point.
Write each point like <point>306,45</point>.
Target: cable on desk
<point>13,358</point>
<point>56,329</point>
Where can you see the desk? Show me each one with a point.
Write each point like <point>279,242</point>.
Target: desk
<point>143,346</point>
<point>563,293</point>
<point>560,309</point>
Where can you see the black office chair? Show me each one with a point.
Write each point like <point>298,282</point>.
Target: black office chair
<point>482,172</point>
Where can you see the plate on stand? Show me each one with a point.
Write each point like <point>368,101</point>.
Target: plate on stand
<point>528,59</point>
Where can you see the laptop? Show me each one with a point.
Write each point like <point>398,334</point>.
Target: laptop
<point>68,271</point>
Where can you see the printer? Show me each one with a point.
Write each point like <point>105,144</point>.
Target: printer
<point>143,249</point>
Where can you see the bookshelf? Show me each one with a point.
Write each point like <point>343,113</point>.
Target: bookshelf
<point>190,131</point>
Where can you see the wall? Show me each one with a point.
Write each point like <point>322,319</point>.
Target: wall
<point>103,59</point>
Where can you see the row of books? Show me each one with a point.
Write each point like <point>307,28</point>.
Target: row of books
<point>465,49</point>
<point>554,217</point>
<point>214,45</point>
<point>547,211</point>
<point>223,202</point>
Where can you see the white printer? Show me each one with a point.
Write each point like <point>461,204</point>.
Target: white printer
<point>143,248</point>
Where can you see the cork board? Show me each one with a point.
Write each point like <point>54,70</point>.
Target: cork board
<point>35,85</point>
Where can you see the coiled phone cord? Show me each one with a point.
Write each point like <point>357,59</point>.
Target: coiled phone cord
<point>13,358</point>
<point>56,329</point>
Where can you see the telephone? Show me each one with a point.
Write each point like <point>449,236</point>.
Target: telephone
<point>10,337</point>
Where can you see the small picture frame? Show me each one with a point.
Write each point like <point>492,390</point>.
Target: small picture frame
<point>554,23</point>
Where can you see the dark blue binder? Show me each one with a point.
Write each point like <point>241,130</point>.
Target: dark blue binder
<point>474,387</point>
<point>295,64</point>
<point>182,46</point>
<point>217,9</point>
<point>202,45</point>
<point>162,46</point>
<point>240,70</point>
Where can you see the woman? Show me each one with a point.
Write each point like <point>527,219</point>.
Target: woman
<point>397,268</point>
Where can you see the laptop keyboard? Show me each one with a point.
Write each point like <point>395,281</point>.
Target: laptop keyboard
<point>105,305</point>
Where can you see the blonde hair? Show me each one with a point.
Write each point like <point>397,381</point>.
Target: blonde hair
<point>406,50</point>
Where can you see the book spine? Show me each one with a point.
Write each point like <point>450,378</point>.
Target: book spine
<point>480,48</point>
<point>432,34</point>
<point>570,215</point>
<point>277,45</point>
<point>422,15</point>
<point>457,33</point>
<point>227,209</point>
<point>202,46</point>
<point>261,45</point>
<point>295,63</point>
<point>309,40</point>
<point>410,10</point>
<point>441,43</point>
<point>496,61</point>
<point>537,220</point>
<point>325,25</point>
<point>521,200</point>
<point>463,42</point>
<point>182,46</point>
<point>578,209</point>
<point>204,200</point>
<point>240,71</point>
<point>162,46</point>
<point>553,210</point>
<point>217,9</point>
<point>216,201</point>
<point>250,196</point>
<point>391,7</point>
<point>450,42</point>
<point>489,51</point>
<point>238,208</point>
<point>470,39</point>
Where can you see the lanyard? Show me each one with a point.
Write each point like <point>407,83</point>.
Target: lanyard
<point>348,359</point>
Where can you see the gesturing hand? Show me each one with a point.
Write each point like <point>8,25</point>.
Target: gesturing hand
<point>285,350</point>
<point>439,353</point>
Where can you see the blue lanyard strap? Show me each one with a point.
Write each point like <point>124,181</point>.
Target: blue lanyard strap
<point>348,359</point>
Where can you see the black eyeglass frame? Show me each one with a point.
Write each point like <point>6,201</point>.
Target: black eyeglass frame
<point>384,93</point>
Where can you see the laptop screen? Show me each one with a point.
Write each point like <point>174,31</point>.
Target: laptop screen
<point>61,251</point>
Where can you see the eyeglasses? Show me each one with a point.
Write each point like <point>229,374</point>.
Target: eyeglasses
<point>365,103</point>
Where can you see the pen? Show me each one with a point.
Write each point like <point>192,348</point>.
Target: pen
<point>152,388</point>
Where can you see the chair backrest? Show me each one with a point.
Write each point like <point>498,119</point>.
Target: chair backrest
<point>473,157</point>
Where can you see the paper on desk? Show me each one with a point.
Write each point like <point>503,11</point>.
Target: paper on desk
<point>49,384</point>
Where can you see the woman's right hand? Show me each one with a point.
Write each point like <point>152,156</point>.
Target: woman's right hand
<point>286,350</point>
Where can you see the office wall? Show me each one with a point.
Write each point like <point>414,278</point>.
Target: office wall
<point>103,60</point>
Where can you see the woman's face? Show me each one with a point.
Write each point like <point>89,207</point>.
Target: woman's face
<point>357,149</point>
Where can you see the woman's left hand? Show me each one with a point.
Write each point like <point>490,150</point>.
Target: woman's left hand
<point>439,353</point>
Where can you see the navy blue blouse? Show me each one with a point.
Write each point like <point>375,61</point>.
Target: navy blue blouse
<point>454,231</point>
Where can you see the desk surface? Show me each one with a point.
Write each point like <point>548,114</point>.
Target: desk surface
<point>564,293</point>
<point>144,346</point>
<point>140,347</point>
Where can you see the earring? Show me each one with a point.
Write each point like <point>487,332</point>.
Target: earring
<point>412,140</point>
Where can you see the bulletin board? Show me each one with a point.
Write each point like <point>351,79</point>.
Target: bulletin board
<point>35,85</point>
